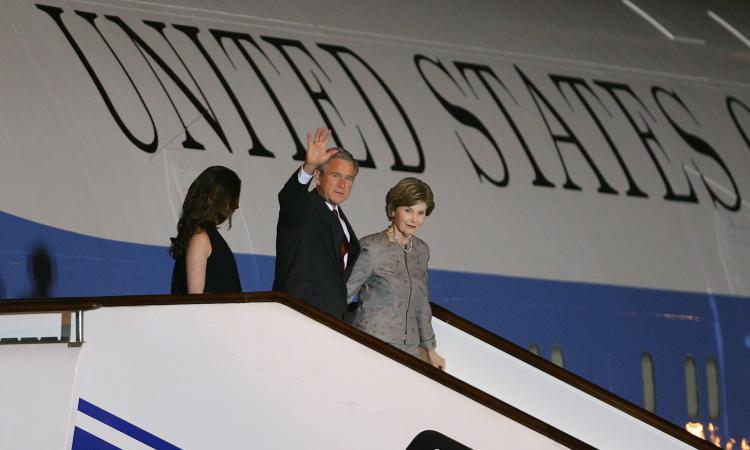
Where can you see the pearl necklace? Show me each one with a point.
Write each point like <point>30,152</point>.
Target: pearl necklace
<point>393,235</point>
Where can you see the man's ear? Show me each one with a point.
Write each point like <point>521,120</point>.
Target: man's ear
<point>317,176</point>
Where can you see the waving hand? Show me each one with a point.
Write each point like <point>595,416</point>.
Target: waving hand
<point>317,150</point>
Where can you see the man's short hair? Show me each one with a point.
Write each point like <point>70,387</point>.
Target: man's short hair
<point>343,155</point>
<point>408,192</point>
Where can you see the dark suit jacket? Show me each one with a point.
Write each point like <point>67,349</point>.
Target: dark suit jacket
<point>308,239</point>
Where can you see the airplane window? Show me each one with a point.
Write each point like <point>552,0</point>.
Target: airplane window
<point>649,387</point>
<point>557,356</point>
<point>712,381</point>
<point>691,386</point>
<point>533,348</point>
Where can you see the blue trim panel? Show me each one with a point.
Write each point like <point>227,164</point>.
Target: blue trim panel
<point>38,258</point>
<point>124,426</point>
<point>83,440</point>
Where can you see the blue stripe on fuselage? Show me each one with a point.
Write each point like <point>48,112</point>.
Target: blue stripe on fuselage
<point>80,265</point>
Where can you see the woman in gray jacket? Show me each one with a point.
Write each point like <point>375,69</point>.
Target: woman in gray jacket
<point>390,275</point>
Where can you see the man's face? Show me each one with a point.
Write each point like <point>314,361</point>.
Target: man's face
<point>335,184</point>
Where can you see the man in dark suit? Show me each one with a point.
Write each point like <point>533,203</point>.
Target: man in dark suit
<point>315,245</point>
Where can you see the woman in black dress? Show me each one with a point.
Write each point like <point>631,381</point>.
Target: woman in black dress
<point>203,260</point>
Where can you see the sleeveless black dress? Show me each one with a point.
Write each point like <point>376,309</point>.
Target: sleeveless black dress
<point>221,268</point>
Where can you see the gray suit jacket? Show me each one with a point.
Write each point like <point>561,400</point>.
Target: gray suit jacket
<point>393,293</point>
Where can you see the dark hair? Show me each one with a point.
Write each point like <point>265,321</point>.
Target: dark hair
<point>343,155</point>
<point>211,199</point>
<point>408,192</point>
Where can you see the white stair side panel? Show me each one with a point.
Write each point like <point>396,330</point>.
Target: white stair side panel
<point>265,376</point>
<point>37,391</point>
<point>544,396</point>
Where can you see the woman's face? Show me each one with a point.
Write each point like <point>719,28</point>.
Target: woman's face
<point>408,219</point>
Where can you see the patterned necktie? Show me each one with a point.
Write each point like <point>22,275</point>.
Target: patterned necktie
<point>344,245</point>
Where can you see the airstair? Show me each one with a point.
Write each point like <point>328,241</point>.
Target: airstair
<point>264,370</point>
